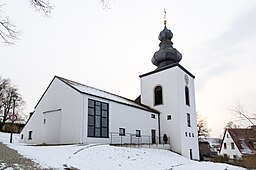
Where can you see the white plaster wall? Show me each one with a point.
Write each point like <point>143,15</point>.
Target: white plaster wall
<point>51,127</point>
<point>173,86</point>
<point>123,116</point>
<point>58,96</point>
<point>230,152</point>
<point>188,142</point>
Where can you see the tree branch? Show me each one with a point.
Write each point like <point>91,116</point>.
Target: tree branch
<point>238,109</point>
<point>104,4</point>
<point>8,31</point>
<point>42,6</point>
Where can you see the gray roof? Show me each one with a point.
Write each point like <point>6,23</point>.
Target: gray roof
<point>105,95</point>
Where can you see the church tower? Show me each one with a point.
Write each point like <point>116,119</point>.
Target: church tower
<point>170,90</point>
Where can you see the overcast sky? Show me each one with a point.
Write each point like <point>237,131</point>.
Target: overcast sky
<point>109,49</point>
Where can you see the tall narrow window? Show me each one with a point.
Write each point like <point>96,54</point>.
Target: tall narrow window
<point>232,145</point>
<point>158,95</point>
<point>187,96</point>
<point>225,146</point>
<point>188,120</point>
<point>30,135</point>
<point>97,119</point>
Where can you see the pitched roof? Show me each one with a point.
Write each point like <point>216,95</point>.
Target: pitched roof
<point>244,139</point>
<point>104,95</point>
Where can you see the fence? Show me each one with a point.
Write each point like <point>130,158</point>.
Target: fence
<point>132,139</point>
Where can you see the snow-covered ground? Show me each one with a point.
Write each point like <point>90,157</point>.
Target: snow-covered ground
<point>105,157</point>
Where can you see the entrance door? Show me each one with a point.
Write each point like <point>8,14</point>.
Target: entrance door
<point>153,136</point>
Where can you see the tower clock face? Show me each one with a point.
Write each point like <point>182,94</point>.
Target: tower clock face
<point>186,79</point>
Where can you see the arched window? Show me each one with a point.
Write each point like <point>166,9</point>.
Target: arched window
<point>158,95</point>
<point>187,96</point>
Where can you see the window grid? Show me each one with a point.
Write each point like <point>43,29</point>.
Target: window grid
<point>98,122</point>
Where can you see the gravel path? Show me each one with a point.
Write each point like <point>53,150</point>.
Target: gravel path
<point>11,159</point>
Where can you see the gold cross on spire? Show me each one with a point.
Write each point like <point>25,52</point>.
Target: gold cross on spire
<point>165,18</point>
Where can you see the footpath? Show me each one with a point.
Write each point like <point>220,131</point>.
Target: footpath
<point>11,159</point>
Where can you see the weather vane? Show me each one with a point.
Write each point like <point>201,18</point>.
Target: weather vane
<point>165,18</point>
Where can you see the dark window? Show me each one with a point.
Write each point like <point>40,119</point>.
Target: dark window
<point>30,135</point>
<point>188,120</point>
<point>121,131</point>
<point>234,157</point>
<point>137,133</point>
<point>169,117</point>
<point>153,116</point>
<point>21,136</point>
<point>189,134</point>
<point>158,95</point>
<point>227,136</point>
<point>225,155</point>
<point>191,154</point>
<point>44,121</point>
<point>186,134</point>
<point>98,119</point>
<point>225,146</point>
<point>187,96</point>
<point>232,145</point>
<point>192,134</point>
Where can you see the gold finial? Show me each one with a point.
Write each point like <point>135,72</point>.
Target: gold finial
<point>165,18</point>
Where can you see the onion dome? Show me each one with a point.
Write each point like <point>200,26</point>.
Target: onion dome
<point>166,55</point>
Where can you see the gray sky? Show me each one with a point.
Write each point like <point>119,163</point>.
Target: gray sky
<point>109,49</point>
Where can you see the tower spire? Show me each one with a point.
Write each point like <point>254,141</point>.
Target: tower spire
<point>165,18</point>
<point>166,55</point>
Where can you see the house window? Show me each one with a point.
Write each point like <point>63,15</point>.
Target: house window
<point>137,133</point>
<point>30,135</point>
<point>232,145</point>
<point>188,120</point>
<point>98,119</point>
<point>189,134</point>
<point>158,95</point>
<point>227,136</point>
<point>169,117</point>
<point>192,134</point>
<point>254,145</point>
<point>234,157</point>
<point>186,133</point>
<point>153,116</point>
<point>187,96</point>
<point>225,155</point>
<point>225,146</point>
<point>122,131</point>
<point>21,137</point>
<point>44,121</point>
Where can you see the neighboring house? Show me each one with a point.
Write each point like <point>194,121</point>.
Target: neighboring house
<point>70,112</point>
<point>238,142</point>
<point>13,127</point>
<point>209,147</point>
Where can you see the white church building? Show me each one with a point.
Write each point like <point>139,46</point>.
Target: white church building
<point>73,113</point>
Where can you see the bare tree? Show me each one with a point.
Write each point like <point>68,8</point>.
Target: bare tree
<point>242,115</point>
<point>202,129</point>
<point>231,125</point>
<point>8,31</point>
<point>7,91</point>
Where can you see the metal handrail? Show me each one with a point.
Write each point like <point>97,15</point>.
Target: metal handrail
<point>132,139</point>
